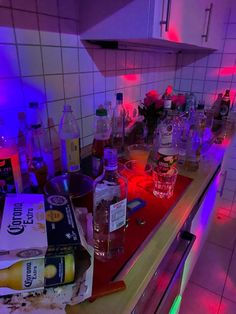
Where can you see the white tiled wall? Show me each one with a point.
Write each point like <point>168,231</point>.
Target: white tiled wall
<point>42,59</point>
<point>209,73</point>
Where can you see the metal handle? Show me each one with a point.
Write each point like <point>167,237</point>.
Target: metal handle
<point>166,22</point>
<point>208,22</point>
<point>190,238</point>
<point>223,184</point>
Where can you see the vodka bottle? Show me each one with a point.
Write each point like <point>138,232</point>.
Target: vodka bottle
<point>118,124</point>
<point>109,214</point>
<point>101,140</point>
<point>70,141</point>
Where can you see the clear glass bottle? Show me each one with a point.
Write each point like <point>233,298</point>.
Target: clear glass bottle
<point>37,167</point>
<point>101,140</point>
<point>22,142</point>
<point>69,134</point>
<point>193,150</point>
<point>118,124</point>
<point>10,173</point>
<point>168,97</point>
<point>109,213</point>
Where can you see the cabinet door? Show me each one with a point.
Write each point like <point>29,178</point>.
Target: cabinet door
<point>216,14</point>
<point>181,21</point>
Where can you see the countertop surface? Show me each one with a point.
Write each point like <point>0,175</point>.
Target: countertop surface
<point>144,267</point>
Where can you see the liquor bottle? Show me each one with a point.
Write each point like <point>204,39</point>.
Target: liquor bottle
<point>109,214</point>
<point>193,150</point>
<point>201,120</point>
<point>224,105</point>
<point>10,173</point>
<point>69,134</point>
<point>190,102</point>
<point>118,124</point>
<point>101,140</point>
<point>167,96</point>
<point>37,167</point>
<point>22,142</point>
<point>39,272</point>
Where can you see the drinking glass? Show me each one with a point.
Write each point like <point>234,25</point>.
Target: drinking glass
<point>140,153</point>
<point>164,182</point>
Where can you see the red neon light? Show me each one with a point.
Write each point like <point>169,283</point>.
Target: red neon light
<point>173,35</point>
<point>131,77</point>
<point>227,71</point>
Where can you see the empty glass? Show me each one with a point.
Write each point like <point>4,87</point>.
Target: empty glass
<point>164,182</point>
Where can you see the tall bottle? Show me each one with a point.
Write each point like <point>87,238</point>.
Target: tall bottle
<point>37,167</point>
<point>224,105</point>
<point>10,173</point>
<point>22,142</point>
<point>39,273</point>
<point>109,214</point>
<point>101,140</point>
<point>193,150</point>
<point>70,141</point>
<point>118,124</point>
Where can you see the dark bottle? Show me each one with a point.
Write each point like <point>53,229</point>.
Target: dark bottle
<point>224,105</point>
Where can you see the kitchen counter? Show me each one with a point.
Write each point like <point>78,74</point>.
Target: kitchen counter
<point>144,267</point>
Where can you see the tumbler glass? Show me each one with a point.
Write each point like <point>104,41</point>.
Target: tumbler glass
<point>164,182</point>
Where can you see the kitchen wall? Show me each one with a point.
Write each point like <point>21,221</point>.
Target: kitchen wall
<point>42,59</point>
<point>207,74</point>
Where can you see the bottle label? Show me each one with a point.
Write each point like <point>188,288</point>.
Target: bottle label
<point>166,135</point>
<point>224,110</point>
<point>32,273</point>
<point>117,215</point>
<point>167,103</point>
<point>7,183</point>
<point>71,154</point>
<point>55,271</point>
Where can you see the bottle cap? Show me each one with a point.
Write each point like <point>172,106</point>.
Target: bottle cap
<point>110,158</point>
<point>101,112</point>
<point>119,96</point>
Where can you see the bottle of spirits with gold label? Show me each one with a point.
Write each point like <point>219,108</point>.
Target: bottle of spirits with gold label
<point>70,141</point>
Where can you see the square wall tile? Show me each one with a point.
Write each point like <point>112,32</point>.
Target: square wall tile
<point>121,60</point>
<point>69,33</point>
<point>231,31</point>
<point>52,62</point>
<point>71,83</point>
<point>110,80</point>
<point>25,5</point>
<point>48,7</point>
<point>211,269</point>
<point>86,83</point>
<point>11,94</point>
<point>9,66</point>
<point>88,126</point>
<point>54,87</point>
<point>230,46</point>
<point>197,86</point>
<point>99,99</point>
<point>214,60</point>
<point>49,30</point>
<point>201,59</point>
<point>55,110</point>
<point>185,85</point>
<point>188,59</point>
<point>187,72</point>
<point>210,86</point>
<point>227,307</point>
<point>5,3</point>
<point>26,27</point>
<point>228,60</point>
<point>212,74</point>
<point>34,89</point>
<point>30,60</point>
<point>87,105</point>
<point>85,60</point>
<point>6,27</point>
<point>99,82</point>
<point>199,73</point>
<point>70,58</point>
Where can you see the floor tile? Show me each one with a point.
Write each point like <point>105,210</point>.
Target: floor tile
<point>212,266</point>
<point>227,307</point>
<point>197,300</point>
<point>230,287</point>
<point>222,231</point>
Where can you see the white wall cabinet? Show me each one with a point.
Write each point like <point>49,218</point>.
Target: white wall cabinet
<point>179,23</point>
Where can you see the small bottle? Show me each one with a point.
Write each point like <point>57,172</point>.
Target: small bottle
<point>168,97</point>
<point>118,124</point>
<point>37,167</point>
<point>69,134</point>
<point>10,173</point>
<point>101,140</point>
<point>190,102</point>
<point>39,273</point>
<point>22,142</point>
<point>193,150</point>
<point>201,120</point>
<point>109,214</point>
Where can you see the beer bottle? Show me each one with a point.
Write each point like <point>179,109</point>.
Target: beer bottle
<point>39,273</point>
